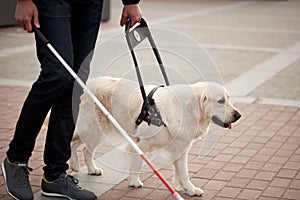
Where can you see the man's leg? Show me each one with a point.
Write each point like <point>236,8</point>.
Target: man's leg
<point>64,112</point>
<point>85,23</point>
<point>52,82</point>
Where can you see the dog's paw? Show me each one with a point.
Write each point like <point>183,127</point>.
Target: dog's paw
<point>96,171</point>
<point>137,183</point>
<point>194,191</point>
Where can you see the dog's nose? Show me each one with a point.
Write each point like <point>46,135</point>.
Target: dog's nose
<point>236,115</point>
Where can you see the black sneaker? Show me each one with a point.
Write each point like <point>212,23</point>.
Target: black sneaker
<point>66,186</point>
<point>16,179</point>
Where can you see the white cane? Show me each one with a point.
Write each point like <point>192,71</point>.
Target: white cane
<point>105,111</point>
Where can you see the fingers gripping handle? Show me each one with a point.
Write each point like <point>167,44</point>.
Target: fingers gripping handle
<point>142,24</point>
<point>137,34</point>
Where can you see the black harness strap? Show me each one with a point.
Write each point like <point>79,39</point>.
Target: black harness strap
<point>149,112</point>
<point>134,37</point>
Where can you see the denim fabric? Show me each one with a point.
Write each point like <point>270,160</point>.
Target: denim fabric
<point>71,26</point>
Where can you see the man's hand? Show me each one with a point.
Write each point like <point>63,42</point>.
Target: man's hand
<point>131,12</point>
<point>26,11</point>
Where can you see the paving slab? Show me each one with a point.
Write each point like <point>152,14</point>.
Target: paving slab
<point>254,45</point>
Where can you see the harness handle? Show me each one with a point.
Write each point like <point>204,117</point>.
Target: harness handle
<point>134,36</point>
<point>139,33</point>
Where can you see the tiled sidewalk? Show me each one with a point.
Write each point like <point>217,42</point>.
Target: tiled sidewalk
<point>258,159</point>
<point>11,100</point>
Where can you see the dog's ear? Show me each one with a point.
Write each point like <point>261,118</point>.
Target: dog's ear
<point>203,102</point>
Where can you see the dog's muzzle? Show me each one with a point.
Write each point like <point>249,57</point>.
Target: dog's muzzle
<point>236,116</point>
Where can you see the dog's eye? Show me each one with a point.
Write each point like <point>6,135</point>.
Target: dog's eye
<point>221,101</point>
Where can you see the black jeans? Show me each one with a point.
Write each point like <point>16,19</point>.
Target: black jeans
<point>72,27</point>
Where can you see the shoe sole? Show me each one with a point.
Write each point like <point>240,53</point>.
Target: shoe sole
<point>47,194</point>
<point>4,174</point>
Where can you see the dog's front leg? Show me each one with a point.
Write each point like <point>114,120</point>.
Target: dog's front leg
<point>91,166</point>
<point>134,177</point>
<point>182,177</point>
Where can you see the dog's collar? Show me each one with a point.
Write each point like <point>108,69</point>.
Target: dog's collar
<point>149,112</point>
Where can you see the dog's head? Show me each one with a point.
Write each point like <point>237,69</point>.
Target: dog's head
<point>215,102</point>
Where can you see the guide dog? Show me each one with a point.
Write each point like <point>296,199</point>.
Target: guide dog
<point>186,109</point>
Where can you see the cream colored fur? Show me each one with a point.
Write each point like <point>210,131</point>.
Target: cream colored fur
<point>187,111</point>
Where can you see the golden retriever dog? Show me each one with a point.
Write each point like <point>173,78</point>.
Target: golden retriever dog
<point>187,111</point>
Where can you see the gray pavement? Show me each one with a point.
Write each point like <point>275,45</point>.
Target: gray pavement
<point>255,46</point>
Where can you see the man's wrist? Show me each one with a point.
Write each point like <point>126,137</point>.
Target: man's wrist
<point>129,2</point>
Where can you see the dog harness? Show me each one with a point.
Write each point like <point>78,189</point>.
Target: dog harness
<point>149,112</point>
<point>134,37</point>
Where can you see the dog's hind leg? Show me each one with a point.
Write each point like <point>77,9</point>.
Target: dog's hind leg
<point>74,161</point>
<point>182,176</point>
<point>88,153</point>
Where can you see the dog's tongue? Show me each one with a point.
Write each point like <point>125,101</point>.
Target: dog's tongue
<point>229,126</point>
